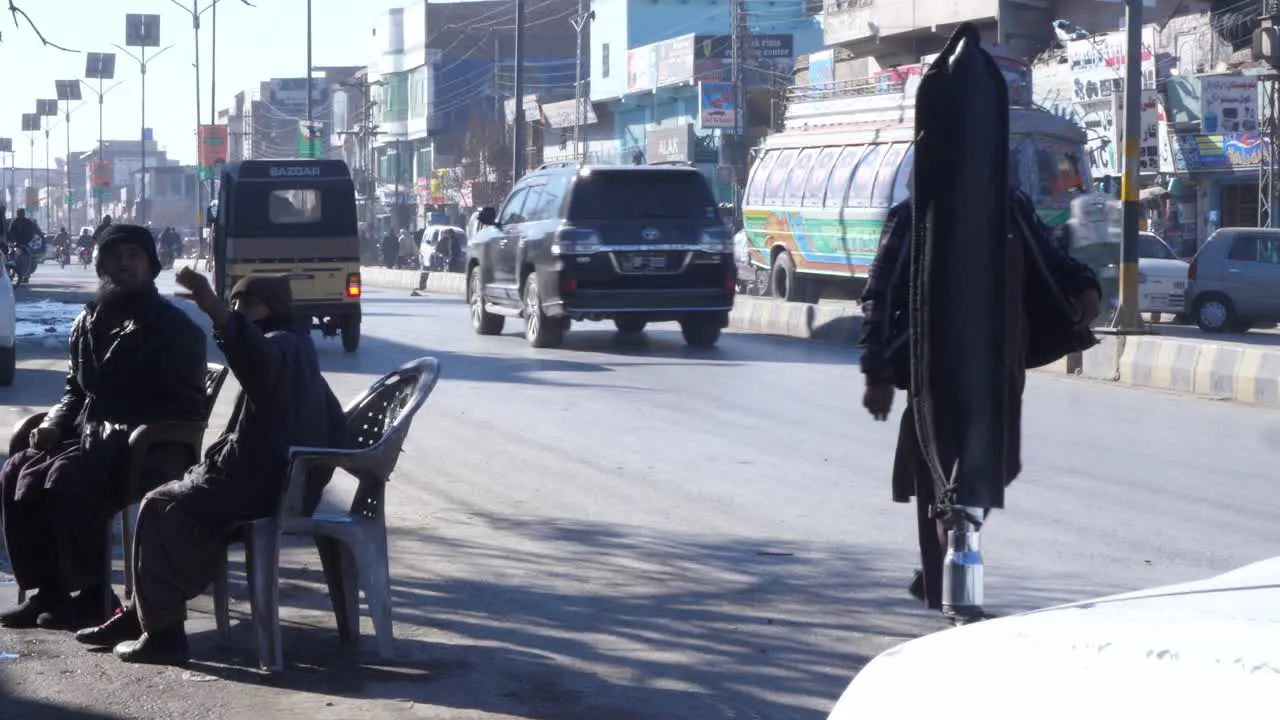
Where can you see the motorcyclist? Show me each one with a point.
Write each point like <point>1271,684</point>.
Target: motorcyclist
<point>62,245</point>
<point>85,241</point>
<point>97,233</point>
<point>22,230</point>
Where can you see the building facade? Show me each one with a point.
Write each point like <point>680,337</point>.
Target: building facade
<point>659,82</point>
<point>435,87</point>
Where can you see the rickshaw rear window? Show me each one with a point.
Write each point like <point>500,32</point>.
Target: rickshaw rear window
<point>289,207</point>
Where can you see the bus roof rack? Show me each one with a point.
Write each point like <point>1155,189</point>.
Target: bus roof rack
<point>558,164</point>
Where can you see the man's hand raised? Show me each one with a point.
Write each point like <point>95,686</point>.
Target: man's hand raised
<point>200,292</point>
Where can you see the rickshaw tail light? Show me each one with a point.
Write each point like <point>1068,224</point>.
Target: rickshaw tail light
<point>353,285</point>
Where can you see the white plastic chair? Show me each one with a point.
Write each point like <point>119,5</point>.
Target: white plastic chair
<point>352,545</point>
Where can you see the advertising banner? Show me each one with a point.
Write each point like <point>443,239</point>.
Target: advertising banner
<point>717,105</point>
<point>213,145</point>
<point>1228,104</point>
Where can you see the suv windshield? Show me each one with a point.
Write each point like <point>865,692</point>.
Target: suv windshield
<point>640,194</point>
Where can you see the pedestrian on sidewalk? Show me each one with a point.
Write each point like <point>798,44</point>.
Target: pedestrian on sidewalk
<point>886,356</point>
<point>183,526</point>
<point>135,359</point>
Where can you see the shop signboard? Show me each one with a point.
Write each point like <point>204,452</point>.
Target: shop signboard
<point>642,68</point>
<point>1228,103</point>
<point>1228,152</point>
<point>1098,64</point>
<point>669,144</point>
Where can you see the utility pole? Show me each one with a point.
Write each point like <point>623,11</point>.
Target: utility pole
<point>739,54</point>
<point>517,132</point>
<point>1128,319</point>
<point>579,115</point>
<point>1269,92</point>
<point>310,92</point>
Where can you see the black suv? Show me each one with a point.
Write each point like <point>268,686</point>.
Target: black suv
<point>634,244</point>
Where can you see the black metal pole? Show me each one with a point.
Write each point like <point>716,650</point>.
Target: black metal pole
<point>517,135</point>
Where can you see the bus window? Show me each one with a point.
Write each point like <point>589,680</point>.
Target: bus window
<point>841,173</point>
<point>888,171</point>
<point>799,177</point>
<point>864,176</point>
<point>755,186</point>
<point>818,176</point>
<point>777,181</point>
<point>902,185</point>
<point>286,207</point>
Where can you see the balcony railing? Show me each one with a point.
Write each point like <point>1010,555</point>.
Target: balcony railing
<point>864,87</point>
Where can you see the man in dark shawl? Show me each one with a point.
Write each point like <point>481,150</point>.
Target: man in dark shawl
<point>183,526</point>
<point>135,359</point>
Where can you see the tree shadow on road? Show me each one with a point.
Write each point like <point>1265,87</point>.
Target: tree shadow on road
<point>587,620</point>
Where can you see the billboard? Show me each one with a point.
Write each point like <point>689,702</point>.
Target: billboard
<point>717,105</point>
<point>213,145</point>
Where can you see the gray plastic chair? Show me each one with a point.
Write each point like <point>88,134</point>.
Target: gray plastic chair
<point>352,545</point>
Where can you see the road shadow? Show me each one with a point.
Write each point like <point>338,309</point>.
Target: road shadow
<point>589,620</point>
<point>16,708</point>
<point>665,342</point>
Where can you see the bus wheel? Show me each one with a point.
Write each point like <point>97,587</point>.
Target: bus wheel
<point>350,334</point>
<point>787,284</point>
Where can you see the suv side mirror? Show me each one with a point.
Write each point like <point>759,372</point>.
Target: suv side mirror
<point>487,216</point>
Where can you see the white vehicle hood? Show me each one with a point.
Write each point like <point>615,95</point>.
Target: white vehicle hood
<point>1203,649</point>
<point>1156,267</point>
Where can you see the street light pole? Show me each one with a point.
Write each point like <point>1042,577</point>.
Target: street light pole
<point>579,116</point>
<point>309,89</point>
<point>100,67</point>
<point>142,32</point>
<point>142,61</point>
<point>1129,319</point>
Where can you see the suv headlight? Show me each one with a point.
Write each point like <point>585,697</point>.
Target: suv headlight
<point>574,241</point>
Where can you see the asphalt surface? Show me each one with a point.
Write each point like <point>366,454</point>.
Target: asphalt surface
<point>616,532</point>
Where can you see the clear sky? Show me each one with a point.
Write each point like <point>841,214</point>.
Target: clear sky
<point>254,44</point>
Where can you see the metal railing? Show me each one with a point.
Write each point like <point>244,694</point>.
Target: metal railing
<point>865,87</point>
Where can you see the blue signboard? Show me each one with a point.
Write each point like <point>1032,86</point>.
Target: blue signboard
<point>1230,152</point>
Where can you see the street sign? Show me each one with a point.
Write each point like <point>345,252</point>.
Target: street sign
<point>311,143</point>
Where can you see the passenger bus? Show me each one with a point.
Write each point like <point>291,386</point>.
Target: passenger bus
<point>819,191</point>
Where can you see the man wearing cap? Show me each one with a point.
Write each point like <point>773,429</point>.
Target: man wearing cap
<point>183,526</point>
<point>134,359</point>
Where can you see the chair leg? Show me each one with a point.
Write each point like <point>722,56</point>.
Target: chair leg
<point>262,558</point>
<point>127,521</point>
<point>341,575</point>
<point>375,579</point>
<point>222,599</point>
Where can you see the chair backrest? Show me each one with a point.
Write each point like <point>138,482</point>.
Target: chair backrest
<point>378,421</point>
<point>214,377</point>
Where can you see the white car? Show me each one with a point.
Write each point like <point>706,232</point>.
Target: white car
<point>1197,650</point>
<point>8,332</point>
<point>1162,277</point>
<point>431,238</point>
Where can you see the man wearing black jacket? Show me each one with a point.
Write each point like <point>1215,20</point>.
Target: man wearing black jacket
<point>135,359</point>
<point>886,355</point>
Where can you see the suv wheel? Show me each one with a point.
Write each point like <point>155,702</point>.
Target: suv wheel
<point>629,324</point>
<point>541,331</point>
<point>1215,313</point>
<point>482,321</point>
<point>700,331</point>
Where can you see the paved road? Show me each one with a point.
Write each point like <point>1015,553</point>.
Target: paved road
<point>622,532</point>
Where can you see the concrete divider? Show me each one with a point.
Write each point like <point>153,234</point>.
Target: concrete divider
<point>393,279</point>
<point>446,283</point>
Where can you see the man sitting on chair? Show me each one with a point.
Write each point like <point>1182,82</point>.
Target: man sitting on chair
<point>135,359</point>
<point>183,526</point>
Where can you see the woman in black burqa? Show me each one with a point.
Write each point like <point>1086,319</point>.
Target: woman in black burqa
<point>1047,335</point>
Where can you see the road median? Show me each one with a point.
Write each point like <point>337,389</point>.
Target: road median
<point>1219,371</point>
